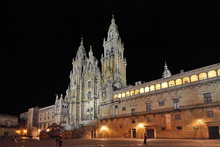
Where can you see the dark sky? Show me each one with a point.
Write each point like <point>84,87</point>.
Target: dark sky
<point>43,37</point>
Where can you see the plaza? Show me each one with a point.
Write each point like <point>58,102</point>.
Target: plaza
<point>111,142</point>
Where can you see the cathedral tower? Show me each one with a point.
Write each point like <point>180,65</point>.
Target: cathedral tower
<point>113,61</point>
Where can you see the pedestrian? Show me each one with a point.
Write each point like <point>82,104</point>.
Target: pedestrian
<point>60,141</point>
<point>57,140</point>
<point>145,138</point>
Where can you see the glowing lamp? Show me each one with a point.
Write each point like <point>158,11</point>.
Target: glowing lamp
<point>104,128</point>
<point>140,125</point>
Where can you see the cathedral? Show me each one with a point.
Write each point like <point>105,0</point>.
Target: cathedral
<point>89,86</point>
<point>101,99</point>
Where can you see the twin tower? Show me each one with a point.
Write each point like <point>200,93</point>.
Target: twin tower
<point>89,87</point>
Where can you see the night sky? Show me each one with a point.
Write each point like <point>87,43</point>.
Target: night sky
<point>43,37</point>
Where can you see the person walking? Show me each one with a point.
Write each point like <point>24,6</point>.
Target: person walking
<point>145,138</point>
<point>60,141</point>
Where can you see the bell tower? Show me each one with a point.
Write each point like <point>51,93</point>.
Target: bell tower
<point>113,61</point>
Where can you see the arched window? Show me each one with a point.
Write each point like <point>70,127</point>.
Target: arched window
<point>119,95</point>
<point>157,86</point>
<point>89,95</point>
<point>115,96</point>
<point>194,78</point>
<point>89,84</point>
<point>132,93</point>
<point>123,95</point>
<point>212,74</point>
<point>164,85</point>
<point>186,80</point>
<point>171,83</point>
<point>202,76</point>
<point>178,82</point>
<point>127,93</point>
<point>142,90</point>
<point>152,88</point>
<point>147,89</point>
<point>136,91</point>
<point>218,72</point>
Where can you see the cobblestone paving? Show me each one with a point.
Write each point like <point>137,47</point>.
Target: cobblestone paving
<point>112,143</point>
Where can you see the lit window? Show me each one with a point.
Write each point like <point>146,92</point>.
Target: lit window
<point>152,88</point>
<point>202,76</point>
<point>157,86</point>
<point>218,72</point>
<point>212,74</point>
<point>132,92</point>
<point>147,89</point>
<point>142,90</point>
<point>194,78</point>
<point>186,80</point>
<point>115,96</point>
<point>136,91</point>
<point>178,82</point>
<point>123,94</point>
<point>164,85</point>
<point>127,93</point>
<point>171,83</point>
<point>119,95</point>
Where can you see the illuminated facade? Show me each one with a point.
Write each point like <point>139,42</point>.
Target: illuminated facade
<point>185,105</point>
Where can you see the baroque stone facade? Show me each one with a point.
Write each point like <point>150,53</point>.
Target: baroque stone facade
<point>185,105</point>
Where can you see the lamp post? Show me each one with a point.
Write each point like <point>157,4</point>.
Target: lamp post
<point>200,126</point>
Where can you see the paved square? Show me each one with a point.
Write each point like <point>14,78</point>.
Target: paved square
<point>112,143</point>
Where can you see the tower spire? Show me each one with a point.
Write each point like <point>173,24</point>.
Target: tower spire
<point>166,72</point>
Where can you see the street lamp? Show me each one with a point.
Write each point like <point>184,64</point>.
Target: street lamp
<point>140,125</point>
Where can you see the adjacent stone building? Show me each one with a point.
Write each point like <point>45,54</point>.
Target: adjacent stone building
<point>185,105</point>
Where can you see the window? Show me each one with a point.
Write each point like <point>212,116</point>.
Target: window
<point>177,116</point>
<point>142,90</point>
<point>207,98</point>
<point>148,107</point>
<point>202,76</point>
<point>194,78</point>
<point>161,102</point>
<point>171,83</point>
<point>123,108</point>
<point>209,113</point>
<point>89,95</point>
<point>212,74</point>
<point>149,119</point>
<point>136,91</point>
<point>123,94</point>
<point>115,96</point>
<point>162,128</point>
<point>147,89</point>
<point>157,86</point>
<point>176,103</point>
<point>89,84</point>
<point>178,82</point>
<point>152,88</point>
<point>186,80</point>
<point>164,85</point>
<point>116,106</point>
<point>127,93</point>
<point>119,95</point>
<point>133,121</point>
<point>133,111</point>
<point>178,128</point>
<point>132,93</point>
